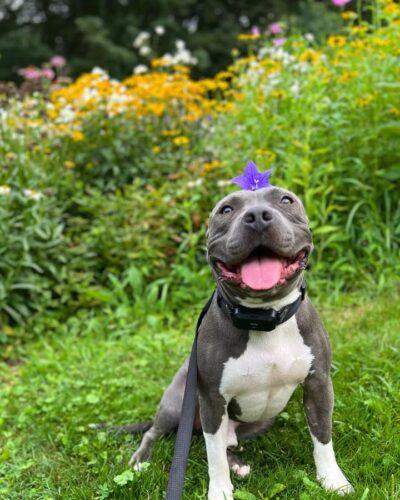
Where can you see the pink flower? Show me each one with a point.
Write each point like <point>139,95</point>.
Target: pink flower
<point>30,73</point>
<point>278,41</point>
<point>340,3</point>
<point>275,28</point>
<point>58,61</point>
<point>47,73</point>
<point>255,31</point>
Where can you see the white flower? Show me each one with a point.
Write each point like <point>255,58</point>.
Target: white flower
<point>181,56</point>
<point>99,71</point>
<point>168,60</point>
<point>141,39</point>
<point>67,115</point>
<point>5,190</point>
<point>180,45</point>
<point>309,37</point>
<point>223,183</point>
<point>295,88</point>
<point>160,30</point>
<point>244,21</point>
<point>145,50</point>
<point>140,68</point>
<point>191,24</point>
<point>32,194</point>
<point>197,182</point>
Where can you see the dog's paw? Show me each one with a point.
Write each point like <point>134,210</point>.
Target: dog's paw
<point>139,460</point>
<point>242,470</point>
<point>336,481</point>
<point>216,492</point>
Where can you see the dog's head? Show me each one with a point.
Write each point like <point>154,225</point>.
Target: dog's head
<point>258,243</point>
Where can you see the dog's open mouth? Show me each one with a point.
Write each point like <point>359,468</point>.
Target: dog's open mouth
<point>263,269</point>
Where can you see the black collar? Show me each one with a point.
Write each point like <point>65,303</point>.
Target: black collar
<point>247,318</point>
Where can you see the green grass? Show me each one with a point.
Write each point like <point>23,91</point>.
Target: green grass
<point>105,367</point>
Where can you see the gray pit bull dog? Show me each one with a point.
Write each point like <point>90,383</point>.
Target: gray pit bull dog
<point>258,245</point>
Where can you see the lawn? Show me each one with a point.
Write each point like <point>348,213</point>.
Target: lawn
<point>103,367</point>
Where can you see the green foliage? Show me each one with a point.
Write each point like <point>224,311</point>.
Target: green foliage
<point>32,252</point>
<point>127,196</point>
<point>329,136</point>
<point>100,47</point>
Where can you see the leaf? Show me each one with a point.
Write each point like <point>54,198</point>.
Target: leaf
<point>392,128</point>
<point>92,398</point>
<point>324,229</point>
<point>5,455</point>
<point>276,488</point>
<point>365,494</point>
<point>391,173</point>
<point>124,478</point>
<point>310,484</point>
<point>244,495</point>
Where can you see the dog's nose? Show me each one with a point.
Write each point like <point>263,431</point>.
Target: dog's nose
<point>257,218</point>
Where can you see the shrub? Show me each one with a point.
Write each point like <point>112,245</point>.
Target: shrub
<point>129,170</point>
<point>327,121</point>
<point>32,252</point>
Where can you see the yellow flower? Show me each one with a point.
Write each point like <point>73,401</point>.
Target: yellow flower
<point>10,156</point>
<point>392,8</point>
<point>358,44</point>
<point>181,140</point>
<point>156,149</point>
<point>267,154</point>
<point>208,167</point>
<point>310,55</point>
<point>348,15</point>
<point>245,37</point>
<point>365,101</point>
<point>168,133</point>
<point>347,76</point>
<point>336,41</point>
<point>77,135</point>
<point>359,30</point>
<point>394,111</point>
<point>69,164</point>
<point>278,94</point>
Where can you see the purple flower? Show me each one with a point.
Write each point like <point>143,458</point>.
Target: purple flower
<point>58,61</point>
<point>30,73</point>
<point>255,31</point>
<point>278,42</point>
<point>340,3</point>
<point>275,28</point>
<point>252,179</point>
<point>47,73</point>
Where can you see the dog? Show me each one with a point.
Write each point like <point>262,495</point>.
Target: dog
<point>258,246</point>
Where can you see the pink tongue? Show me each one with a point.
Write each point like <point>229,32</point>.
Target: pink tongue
<point>261,273</point>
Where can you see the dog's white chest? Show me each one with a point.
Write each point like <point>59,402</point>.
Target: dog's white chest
<point>264,377</point>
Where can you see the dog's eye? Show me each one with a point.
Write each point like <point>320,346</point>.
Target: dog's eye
<point>226,209</point>
<point>287,200</point>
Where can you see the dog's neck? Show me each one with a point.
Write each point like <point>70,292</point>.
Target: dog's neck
<point>253,303</point>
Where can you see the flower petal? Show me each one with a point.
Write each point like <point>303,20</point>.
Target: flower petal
<point>243,181</point>
<point>263,179</point>
<point>251,171</point>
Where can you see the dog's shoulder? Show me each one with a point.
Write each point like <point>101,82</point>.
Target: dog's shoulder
<point>314,334</point>
<point>218,340</point>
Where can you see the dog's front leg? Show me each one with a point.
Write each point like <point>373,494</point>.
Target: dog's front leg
<point>318,406</point>
<point>214,421</point>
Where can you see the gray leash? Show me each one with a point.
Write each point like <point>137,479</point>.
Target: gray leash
<point>185,429</point>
